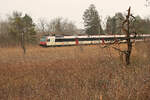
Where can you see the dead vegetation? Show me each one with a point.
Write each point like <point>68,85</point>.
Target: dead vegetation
<point>74,73</point>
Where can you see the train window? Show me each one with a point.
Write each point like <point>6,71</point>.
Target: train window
<point>48,40</point>
<point>88,39</point>
<point>43,39</point>
<point>64,40</point>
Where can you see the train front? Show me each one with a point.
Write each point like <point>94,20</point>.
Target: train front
<point>43,41</point>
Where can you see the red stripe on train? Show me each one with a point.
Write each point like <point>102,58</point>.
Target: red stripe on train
<point>42,43</point>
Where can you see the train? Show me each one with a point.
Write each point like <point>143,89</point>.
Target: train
<point>48,41</point>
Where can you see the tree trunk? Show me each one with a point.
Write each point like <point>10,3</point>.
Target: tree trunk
<point>129,43</point>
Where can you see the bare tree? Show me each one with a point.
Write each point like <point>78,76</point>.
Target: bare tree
<point>60,26</point>
<point>147,4</point>
<point>126,29</point>
<point>126,26</point>
<point>4,33</point>
<point>42,26</point>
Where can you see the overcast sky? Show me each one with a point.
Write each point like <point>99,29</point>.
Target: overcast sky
<point>71,9</point>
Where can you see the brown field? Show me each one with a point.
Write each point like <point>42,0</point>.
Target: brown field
<point>74,73</point>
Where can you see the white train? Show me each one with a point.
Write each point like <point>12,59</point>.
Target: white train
<point>88,39</point>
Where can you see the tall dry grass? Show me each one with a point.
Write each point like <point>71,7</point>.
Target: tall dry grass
<point>74,73</point>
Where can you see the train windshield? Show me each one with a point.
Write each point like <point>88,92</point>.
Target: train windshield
<point>43,39</point>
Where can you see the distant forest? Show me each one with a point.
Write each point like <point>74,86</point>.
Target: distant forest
<point>18,25</point>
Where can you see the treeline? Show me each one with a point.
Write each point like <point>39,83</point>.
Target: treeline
<point>113,25</point>
<point>20,26</point>
<point>20,29</point>
<point>16,28</point>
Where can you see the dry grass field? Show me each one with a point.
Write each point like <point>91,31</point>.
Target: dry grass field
<point>74,73</point>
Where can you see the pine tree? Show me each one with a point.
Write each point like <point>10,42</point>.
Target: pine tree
<point>29,29</point>
<point>92,21</point>
<point>114,24</point>
<point>22,26</point>
<point>109,25</point>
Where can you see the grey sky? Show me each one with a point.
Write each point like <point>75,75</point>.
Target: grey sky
<point>71,9</point>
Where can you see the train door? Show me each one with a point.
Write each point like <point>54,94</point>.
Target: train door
<point>77,41</point>
<point>52,41</point>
